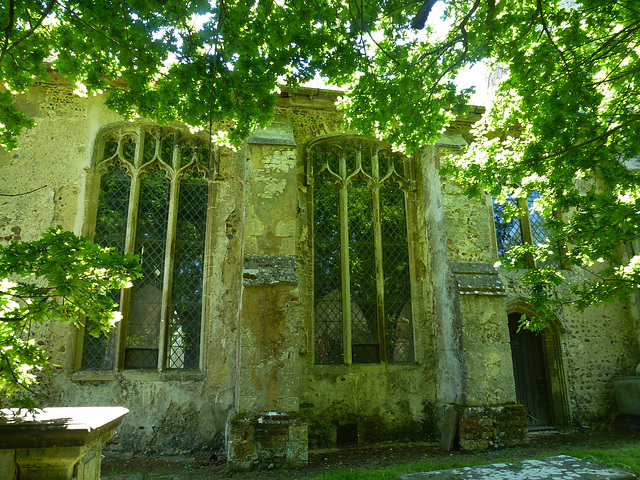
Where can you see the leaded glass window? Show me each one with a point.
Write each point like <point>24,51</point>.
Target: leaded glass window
<point>508,233</point>
<point>362,287</point>
<point>529,227</point>
<point>152,201</point>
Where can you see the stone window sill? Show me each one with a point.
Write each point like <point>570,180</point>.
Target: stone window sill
<point>94,376</point>
<point>340,368</point>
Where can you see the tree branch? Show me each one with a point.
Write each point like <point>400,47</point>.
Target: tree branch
<point>20,194</point>
<point>8,47</point>
<point>608,133</point>
<point>98,31</point>
<point>16,379</point>
<point>9,24</point>
<point>452,42</point>
<point>420,20</point>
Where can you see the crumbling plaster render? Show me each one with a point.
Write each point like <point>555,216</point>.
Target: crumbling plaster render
<point>261,206</point>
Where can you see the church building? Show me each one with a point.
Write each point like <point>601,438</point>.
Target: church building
<point>311,289</point>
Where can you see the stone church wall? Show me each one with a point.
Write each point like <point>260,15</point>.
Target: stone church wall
<point>597,345</point>
<point>168,412</point>
<point>258,337</point>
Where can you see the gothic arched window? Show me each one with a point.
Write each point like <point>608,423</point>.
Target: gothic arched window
<point>152,201</point>
<point>362,282</point>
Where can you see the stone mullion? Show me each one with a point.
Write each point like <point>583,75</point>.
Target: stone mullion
<point>129,245</point>
<point>207,269</point>
<point>170,242</point>
<point>167,281</point>
<point>525,225</point>
<point>345,265</point>
<point>377,242</point>
<point>410,218</point>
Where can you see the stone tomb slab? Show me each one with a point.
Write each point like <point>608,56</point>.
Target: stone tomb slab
<point>562,467</point>
<point>61,443</point>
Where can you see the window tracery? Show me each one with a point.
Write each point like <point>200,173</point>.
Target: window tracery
<point>152,201</point>
<point>362,286</point>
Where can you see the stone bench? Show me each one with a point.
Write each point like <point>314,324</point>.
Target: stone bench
<point>56,443</point>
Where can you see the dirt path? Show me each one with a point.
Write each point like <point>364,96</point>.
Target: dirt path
<point>541,443</point>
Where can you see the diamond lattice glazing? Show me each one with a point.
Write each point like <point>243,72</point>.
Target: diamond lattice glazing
<point>188,272</point>
<point>541,235</point>
<point>145,303</point>
<point>327,279</point>
<point>113,205</point>
<point>362,263</point>
<point>164,150</point>
<point>508,234</point>
<point>347,175</point>
<point>397,280</point>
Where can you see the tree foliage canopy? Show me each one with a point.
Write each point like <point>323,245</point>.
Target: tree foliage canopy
<point>60,277</point>
<point>572,90</point>
<point>202,61</point>
<point>564,122</point>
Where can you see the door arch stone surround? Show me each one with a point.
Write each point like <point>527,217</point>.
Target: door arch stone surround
<point>553,360</point>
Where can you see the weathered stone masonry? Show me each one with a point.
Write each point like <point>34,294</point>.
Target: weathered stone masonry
<point>258,392</point>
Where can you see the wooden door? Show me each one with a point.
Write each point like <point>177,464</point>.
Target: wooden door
<point>530,374</point>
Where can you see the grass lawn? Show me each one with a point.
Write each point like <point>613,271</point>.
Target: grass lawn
<point>626,458</point>
<point>386,462</point>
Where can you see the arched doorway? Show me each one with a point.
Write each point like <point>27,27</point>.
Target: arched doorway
<point>538,372</point>
<point>529,372</point>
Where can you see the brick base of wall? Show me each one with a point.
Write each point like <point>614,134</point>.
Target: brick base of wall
<point>266,440</point>
<point>500,426</point>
